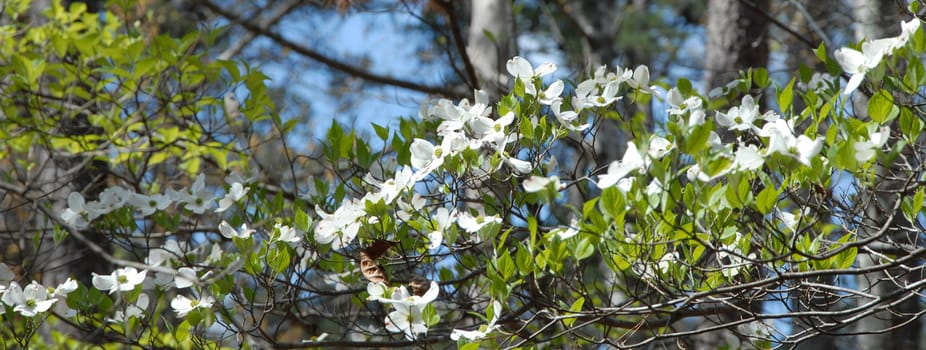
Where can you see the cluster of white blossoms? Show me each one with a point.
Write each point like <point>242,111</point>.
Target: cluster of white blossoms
<point>466,127</point>
<point>819,83</point>
<point>196,199</point>
<point>603,88</point>
<point>634,160</point>
<point>127,279</point>
<point>463,126</point>
<point>408,316</point>
<point>732,260</point>
<point>858,63</point>
<point>483,331</point>
<point>777,133</point>
<point>34,298</point>
<point>651,271</point>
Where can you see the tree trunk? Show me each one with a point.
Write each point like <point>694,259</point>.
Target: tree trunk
<point>491,42</point>
<point>737,39</point>
<point>877,19</point>
<point>809,18</point>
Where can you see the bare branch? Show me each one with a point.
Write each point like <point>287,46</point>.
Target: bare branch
<point>328,61</point>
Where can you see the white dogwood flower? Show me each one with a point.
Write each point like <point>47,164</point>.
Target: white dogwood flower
<point>183,305</point>
<point>640,80</point>
<point>659,147</point>
<point>617,170</point>
<point>235,193</point>
<point>136,310</point>
<point>185,278</point>
<point>29,301</point>
<point>740,117</point>
<point>539,183</point>
<point>229,232</point>
<point>407,317</point>
<point>496,311</point>
<point>865,150</point>
<point>552,93</point>
<point>122,280</point>
<point>520,68</point>
<point>287,234</point>
<point>197,198</point>
<point>747,158</point>
<point>341,227</point>
<point>148,204</point>
<point>858,63</point>
<point>78,214</point>
<point>376,290</point>
<point>473,224</point>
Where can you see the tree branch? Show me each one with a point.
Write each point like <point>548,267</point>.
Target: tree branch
<point>328,61</point>
<point>458,41</point>
<point>274,18</point>
<point>752,5</point>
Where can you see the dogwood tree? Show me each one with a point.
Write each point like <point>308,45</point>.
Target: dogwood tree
<point>740,209</point>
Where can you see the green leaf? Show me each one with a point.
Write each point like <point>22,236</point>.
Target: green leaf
<point>760,77</point>
<point>918,199</point>
<point>845,258</point>
<point>429,315</point>
<point>584,249</point>
<point>737,195</point>
<point>381,132</point>
<point>576,306</point>
<point>913,76</point>
<point>805,73</point>
<point>786,96</point>
<point>697,141</point>
<point>820,51</point>
<point>302,221</point>
<point>684,86</point>
<point>253,265</point>
<point>182,333</point>
<point>611,202</point>
<point>532,229</point>
<point>524,260</point>
<point>469,346</point>
<point>766,200</point>
<point>61,234</point>
<point>910,125</point>
<point>911,206</point>
<point>881,106</point>
<point>526,128</point>
<point>489,35</point>
<point>919,41</point>
<point>506,266</point>
<point>519,87</point>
